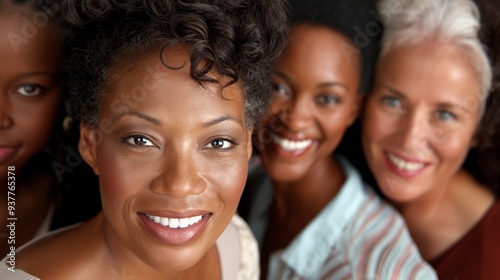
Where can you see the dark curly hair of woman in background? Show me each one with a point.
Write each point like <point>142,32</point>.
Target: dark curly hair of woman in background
<point>220,37</point>
<point>212,62</point>
<point>484,158</point>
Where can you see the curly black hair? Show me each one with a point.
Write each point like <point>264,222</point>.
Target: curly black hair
<point>34,5</point>
<point>484,159</point>
<point>50,9</point>
<point>357,20</point>
<point>239,39</point>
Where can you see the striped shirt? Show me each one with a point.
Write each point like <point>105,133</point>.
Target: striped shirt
<point>356,236</point>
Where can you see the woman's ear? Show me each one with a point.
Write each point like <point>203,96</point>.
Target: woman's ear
<point>88,146</point>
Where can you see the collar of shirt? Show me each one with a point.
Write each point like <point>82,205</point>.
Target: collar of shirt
<point>309,251</point>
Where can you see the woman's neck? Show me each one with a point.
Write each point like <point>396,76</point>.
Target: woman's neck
<point>308,195</point>
<point>443,216</point>
<point>297,203</point>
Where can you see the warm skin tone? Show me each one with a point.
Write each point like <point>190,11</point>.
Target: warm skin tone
<point>181,151</point>
<point>315,100</point>
<point>419,124</point>
<point>30,95</point>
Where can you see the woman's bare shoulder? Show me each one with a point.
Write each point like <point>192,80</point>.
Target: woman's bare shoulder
<point>60,254</point>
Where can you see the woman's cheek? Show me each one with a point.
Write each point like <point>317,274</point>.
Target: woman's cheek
<point>231,180</point>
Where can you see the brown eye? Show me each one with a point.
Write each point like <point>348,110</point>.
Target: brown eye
<point>222,144</point>
<point>218,143</point>
<point>138,140</point>
<point>327,99</point>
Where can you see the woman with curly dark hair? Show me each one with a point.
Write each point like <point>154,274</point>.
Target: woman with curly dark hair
<point>167,93</point>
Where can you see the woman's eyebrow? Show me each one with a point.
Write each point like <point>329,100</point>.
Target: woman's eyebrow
<point>450,106</point>
<point>321,85</point>
<point>395,92</point>
<point>455,105</point>
<point>221,119</point>
<point>40,73</point>
<point>136,114</point>
<point>332,84</point>
<point>282,75</point>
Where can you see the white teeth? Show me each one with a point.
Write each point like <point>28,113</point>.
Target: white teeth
<point>194,220</point>
<point>403,164</point>
<point>184,222</point>
<point>291,145</point>
<point>175,222</point>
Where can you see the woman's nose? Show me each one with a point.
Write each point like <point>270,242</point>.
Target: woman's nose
<point>180,175</point>
<point>6,120</point>
<point>297,114</point>
<point>414,132</point>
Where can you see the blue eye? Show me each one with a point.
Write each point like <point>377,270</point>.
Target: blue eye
<point>222,144</point>
<point>328,99</point>
<point>138,140</point>
<point>392,102</point>
<point>30,90</point>
<point>446,115</point>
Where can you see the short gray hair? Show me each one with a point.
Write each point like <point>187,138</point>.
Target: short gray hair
<point>453,21</point>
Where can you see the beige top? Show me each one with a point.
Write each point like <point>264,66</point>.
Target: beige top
<point>238,253</point>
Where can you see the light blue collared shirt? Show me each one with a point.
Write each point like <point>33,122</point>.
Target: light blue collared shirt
<point>356,236</point>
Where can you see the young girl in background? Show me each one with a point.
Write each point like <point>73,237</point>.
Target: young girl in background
<point>31,85</point>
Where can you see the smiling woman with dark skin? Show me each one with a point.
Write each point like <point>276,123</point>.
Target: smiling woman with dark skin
<point>167,94</point>
<point>313,216</point>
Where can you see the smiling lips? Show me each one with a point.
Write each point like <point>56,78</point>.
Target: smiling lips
<point>176,230</point>
<point>175,222</point>
<point>6,153</point>
<point>403,164</point>
<point>404,167</point>
<point>291,145</point>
